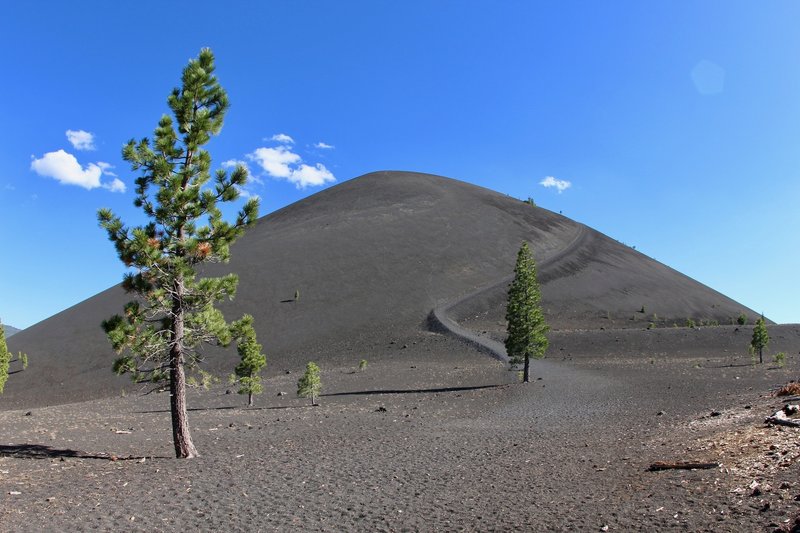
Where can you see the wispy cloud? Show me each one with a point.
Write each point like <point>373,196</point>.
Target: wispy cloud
<point>106,168</point>
<point>81,140</point>
<point>280,162</point>
<point>115,185</point>
<point>324,146</point>
<point>551,182</point>
<point>281,138</point>
<point>64,168</point>
<point>233,163</point>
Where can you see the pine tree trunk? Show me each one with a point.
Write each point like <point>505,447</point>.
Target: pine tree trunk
<point>526,377</point>
<point>250,399</point>
<point>181,438</point>
<point>761,355</point>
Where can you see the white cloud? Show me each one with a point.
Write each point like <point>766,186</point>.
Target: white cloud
<point>324,146</point>
<point>81,140</point>
<point>106,168</point>
<point>275,161</point>
<point>561,185</point>
<point>282,138</point>
<point>281,162</point>
<point>305,176</point>
<point>64,168</point>
<point>115,185</point>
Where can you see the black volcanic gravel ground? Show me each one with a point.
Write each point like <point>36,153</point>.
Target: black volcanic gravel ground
<point>459,447</point>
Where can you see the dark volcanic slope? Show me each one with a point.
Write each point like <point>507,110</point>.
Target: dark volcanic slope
<point>371,257</point>
<point>10,330</point>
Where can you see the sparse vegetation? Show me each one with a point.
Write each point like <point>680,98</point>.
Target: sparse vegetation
<point>203,379</point>
<point>780,359</point>
<point>362,365</point>
<point>651,325</point>
<point>252,361</point>
<point>296,295</point>
<point>642,310</point>
<point>310,384</point>
<point>173,312</point>
<point>690,323</point>
<point>530,202</point>
<point>741,319</point>
<point>6,359</point>
<point>527,329</point>
<point>760,338</point>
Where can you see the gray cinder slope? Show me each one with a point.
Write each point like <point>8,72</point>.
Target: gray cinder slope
<point>371,258</point>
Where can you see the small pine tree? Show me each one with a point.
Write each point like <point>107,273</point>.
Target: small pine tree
<point>248,371</point>
<point>296,295</point>
<point>741,319</point>
<point>362,365</point>
<point>310,384</point>
<point>760,338</point>
<point>5,359</point>
<point>527,330</point>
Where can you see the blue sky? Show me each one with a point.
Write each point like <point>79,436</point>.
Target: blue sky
<point>676,124</point>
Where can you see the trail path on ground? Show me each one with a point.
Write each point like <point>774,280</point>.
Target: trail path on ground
<point>441,315</point>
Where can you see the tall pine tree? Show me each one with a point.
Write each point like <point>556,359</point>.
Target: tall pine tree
<point>173,311</point>
<point>527,330</point>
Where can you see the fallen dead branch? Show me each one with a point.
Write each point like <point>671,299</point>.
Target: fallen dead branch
<point>681,465</point>
<point>781,417</point>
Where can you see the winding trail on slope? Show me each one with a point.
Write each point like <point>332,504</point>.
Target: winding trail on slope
<point>440,318</point>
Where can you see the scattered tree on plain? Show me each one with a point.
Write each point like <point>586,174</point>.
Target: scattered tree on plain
<point>310,384</point>
<point>527,329</point>
<point>6,359</point>
<point>362,365</point>
<point>760,338</point>
<point>173,311</point>
<point>248,371</point>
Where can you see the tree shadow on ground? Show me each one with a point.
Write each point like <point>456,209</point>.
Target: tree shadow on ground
<point>40,451</point>
<point>731,365</point>
<point>412,391</point>
<point>190,409</point>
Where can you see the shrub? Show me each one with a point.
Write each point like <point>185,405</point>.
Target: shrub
<point>362,365</point>
<point>741,319</point>
<point>690,323</point>
<point>780,359</point>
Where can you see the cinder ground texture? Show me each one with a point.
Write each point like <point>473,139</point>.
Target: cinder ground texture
<point>435,435</point>
<point>459,447</point>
